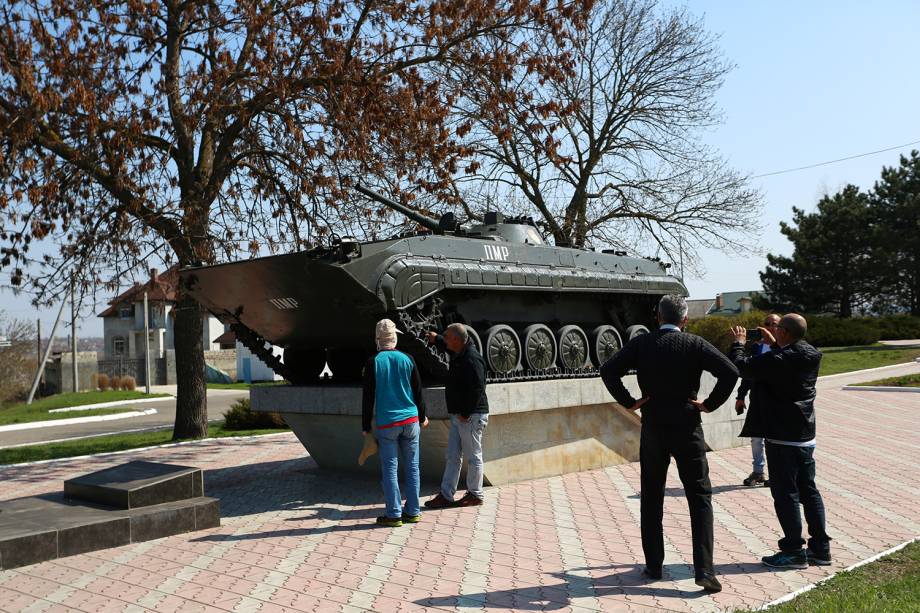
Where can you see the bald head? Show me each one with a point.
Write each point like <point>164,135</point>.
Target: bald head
<point>794,325</point>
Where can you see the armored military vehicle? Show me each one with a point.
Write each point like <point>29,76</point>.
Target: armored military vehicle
<point>534,310</point>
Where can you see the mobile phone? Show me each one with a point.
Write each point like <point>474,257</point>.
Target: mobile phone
<point>753,334</point>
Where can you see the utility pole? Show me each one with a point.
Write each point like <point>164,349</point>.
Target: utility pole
<point>73,335</point>
<point>38,327</point>
<point>44,357</point>
<point>146,344</point>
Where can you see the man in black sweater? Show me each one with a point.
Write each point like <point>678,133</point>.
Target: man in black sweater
<point>783,412</point>
<point>668,365</point>
<point>468,407</point>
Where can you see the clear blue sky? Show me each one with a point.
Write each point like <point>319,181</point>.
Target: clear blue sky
<point>814,82</point>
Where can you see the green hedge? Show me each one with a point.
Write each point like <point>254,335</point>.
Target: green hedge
<point>240,416</point>
<point>895,327</point>
<point>836,332</point>
<point>823,331</point>
<point>715,328</point>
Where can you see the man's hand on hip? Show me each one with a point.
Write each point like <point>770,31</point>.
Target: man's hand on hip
<point>639,404</point>
<point>699,405</point>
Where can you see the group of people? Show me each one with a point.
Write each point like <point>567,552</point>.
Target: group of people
<point>393,401</point>
<point>779,372</point>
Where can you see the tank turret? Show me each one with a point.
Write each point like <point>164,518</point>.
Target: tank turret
<point>496,226</point>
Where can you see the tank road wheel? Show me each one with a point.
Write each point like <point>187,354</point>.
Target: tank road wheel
<point>474,336</point>
<point>539,347</point>
<point>605,341</point>
<point>502,349</point>
<point>573,347</point>
<point>634,331</point>
<point>305,364</point>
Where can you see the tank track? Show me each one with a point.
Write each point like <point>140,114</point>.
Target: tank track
<point>428,357</point>
<point>433,361</point>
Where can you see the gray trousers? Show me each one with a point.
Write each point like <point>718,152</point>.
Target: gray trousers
<point>464,441</point>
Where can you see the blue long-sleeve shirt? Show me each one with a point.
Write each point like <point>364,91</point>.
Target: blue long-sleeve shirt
<point>392,391</point>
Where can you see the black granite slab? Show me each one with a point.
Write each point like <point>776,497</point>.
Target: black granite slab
<point>41,528</point>
<point>137,484</point>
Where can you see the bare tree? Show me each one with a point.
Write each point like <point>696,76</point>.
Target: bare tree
<point>608,148</point>
<point>17,358</point>
<point>188,131</point>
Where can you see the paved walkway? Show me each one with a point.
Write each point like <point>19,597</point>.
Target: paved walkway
<point>297,538</point>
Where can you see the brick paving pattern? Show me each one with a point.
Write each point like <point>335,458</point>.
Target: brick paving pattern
<point>295,538</point>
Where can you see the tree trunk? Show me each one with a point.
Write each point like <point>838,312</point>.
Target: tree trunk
<point>191,396</point>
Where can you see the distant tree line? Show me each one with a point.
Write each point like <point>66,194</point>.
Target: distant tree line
<point>858,252</point>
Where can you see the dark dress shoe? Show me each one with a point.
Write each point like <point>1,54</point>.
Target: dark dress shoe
<point>648,573</point>
<point>469,500</point>
<point>709,583</point>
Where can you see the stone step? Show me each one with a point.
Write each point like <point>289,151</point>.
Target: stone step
<point>137,484</point>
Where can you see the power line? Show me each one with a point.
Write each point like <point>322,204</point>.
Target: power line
<point>851,157</point>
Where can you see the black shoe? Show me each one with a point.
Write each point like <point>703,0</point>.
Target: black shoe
<point>755,479</point>
<point>818,559</point>
<point>439,502</point>
<point>469,500</point>
<point>709,583</point>
<point>648,573</point>
<point>411,519</point>
<point>390,522</point>
<point>786,559</point>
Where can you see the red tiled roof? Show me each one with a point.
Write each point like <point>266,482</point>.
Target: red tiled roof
<point>227,338</point>
<point>163,289</point>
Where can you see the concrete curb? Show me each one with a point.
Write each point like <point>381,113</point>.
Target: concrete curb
<point>113,403</point>
<point>857,372</point>
<point>812,586</point>
<point>75,420</point>
<point>878,388</point>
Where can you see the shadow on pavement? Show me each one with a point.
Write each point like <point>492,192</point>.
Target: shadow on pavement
<point>628,581</point>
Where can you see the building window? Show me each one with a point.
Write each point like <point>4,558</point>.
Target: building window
<point>126,312</point>
<point>118,346</point>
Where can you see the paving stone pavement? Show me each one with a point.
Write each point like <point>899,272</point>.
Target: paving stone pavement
<point>296,538</point>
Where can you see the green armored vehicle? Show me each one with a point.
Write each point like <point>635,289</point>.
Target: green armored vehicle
<point>534,310</point>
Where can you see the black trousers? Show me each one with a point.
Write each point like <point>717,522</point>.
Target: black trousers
<point>792,481</point>
<point>686,444</point>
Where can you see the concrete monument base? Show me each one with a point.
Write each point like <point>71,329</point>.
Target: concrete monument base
<point>536,428</point>
<point>130,503</point>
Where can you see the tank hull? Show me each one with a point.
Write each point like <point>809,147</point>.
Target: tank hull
<point>330,299</point>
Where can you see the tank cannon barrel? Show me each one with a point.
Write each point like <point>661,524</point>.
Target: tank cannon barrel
<point>428,222</point>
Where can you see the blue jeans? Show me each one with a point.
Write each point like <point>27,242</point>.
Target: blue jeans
<point>792,483</point>
<point>757,454</point>
<point>464,441</point>
<point>399,445</point>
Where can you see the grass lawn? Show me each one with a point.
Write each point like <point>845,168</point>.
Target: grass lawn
<point>847,359</point>
<point>891,584</point>
<point>38,410</point>
<point>244,386</point>
<point>905,381</point>
<point>112,442</point>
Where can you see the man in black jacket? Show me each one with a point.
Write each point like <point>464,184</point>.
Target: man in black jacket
<point>783,412</point>
<point>668,364</point>
<point>468,406</point>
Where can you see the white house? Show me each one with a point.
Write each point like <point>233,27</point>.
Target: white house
<point>123,320</point>
<point>250,368</point>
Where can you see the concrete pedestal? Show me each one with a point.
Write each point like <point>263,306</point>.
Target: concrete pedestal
<point>536,428</point>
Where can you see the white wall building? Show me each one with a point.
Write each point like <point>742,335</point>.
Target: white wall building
<point>123,320</point>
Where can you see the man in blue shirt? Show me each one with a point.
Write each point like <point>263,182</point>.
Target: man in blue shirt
<point>393,391</point>
<point>759,462</point>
